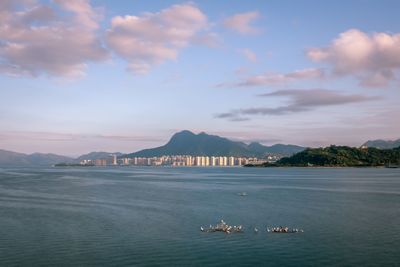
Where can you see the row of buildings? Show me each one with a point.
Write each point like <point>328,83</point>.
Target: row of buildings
<point>179,160</point>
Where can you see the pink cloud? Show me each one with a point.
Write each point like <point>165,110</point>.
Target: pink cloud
<point>373,59</point>
<point>39,39</point>
<point>241,23</point>
<point>85,15</point>
<point>152,38</point>
<point>249,54</point>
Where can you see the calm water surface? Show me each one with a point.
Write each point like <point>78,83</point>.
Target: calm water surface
<point>151,216</point>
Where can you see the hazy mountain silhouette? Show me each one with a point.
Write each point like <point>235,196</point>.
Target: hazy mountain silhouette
<point>202,144</point>
<point>181,143</point>
<point>382,144</point>
<point>9,158</point>
<point>97,155</point>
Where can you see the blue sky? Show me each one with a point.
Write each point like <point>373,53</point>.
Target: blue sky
<point>79,76</point>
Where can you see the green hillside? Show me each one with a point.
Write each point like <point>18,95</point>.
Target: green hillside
<point>342,156</point>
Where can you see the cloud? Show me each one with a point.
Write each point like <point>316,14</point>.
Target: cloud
<point>241,23</point>
<point>249,54</point>
<point>152,38</point>
<point>232,116</point>
<point>373,59</point>
<point>299,101</point>
<point>209,39</point>
<point>277,78</point>
<point>57,39</point>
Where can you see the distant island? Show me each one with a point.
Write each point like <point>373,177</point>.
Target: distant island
<point>339,156</point>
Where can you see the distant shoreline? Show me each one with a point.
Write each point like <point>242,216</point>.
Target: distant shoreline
<point>320,167</point>
<point>221,167</point>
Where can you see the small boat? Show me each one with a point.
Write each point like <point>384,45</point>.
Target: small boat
<point>284,230</point>
<point>242,194</point>
<point>390,166</point>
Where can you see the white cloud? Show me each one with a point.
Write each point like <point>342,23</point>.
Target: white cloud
<point>241,23</point>
<point>57,39</point>
<point>372,59</point>
<point>249,54</point>
<point>152,38</point>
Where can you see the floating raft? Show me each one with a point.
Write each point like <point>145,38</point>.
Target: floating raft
<point>226,228</point>
<point>223,227</point>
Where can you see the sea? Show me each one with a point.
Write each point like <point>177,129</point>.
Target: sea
<point>151,216</point>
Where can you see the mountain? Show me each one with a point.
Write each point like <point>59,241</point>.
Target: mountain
<point>382,144</point>
<point>188,143</point>
<point>97,155</point>
<point>342,156</point>
<point>9,158</point>
<point>202,144</point>
<point>181,143</point>
<point>14,159</point>
<point>257,147</point>
<point>47,159</point>
<point>281,149</point>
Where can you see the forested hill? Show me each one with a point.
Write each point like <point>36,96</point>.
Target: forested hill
<point>342,156</point>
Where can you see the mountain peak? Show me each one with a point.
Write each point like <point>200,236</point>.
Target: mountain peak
<point>184,133</point>
<point>202,144</point>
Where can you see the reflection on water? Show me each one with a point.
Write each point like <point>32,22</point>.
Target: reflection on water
<point>151,216</point>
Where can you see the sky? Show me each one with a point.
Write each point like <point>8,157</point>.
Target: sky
<point>79,76</point>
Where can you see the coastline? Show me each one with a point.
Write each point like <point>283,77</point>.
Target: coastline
<point>320,167</point>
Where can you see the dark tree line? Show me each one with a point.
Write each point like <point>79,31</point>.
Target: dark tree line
<point>342,156</point>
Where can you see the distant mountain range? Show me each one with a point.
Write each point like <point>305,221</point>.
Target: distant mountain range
<point>96,155</point>
<point>382,144</point>
<point>181,143</point>
<point>202,144</point>
<point>14,159</point>
<point>9,158</point>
